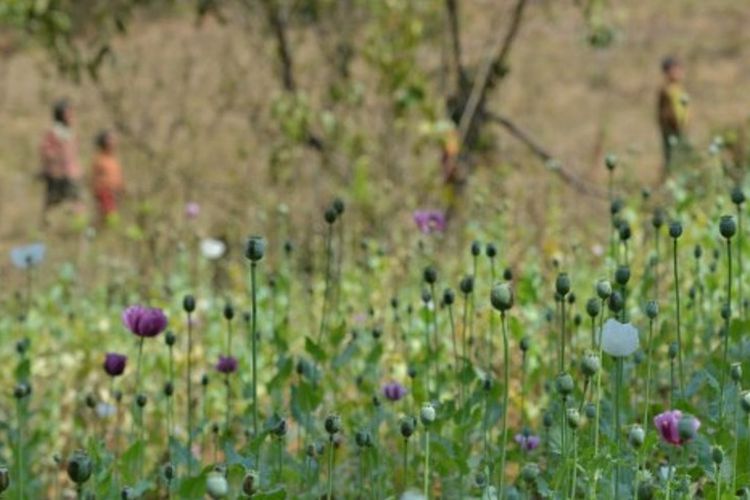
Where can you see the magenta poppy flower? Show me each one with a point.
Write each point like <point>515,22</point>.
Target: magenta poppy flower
<point>192,210</point>
<point>114,364</point>
<point>430,221</point>
<point>394,391</point>
<point>226,365</point>
<point>668,425</point>
<point>527,441</point>
<point>144,321</point>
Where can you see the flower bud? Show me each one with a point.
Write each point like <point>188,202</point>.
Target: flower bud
<point>228,311</point>
<point>593,307</point>
<point>338,206</point>
<point>90,401</point>
<point>573,418</point>
<point>170,338</point>
<point>448,297</point>
<point>525,343</point>
<point>168,471</point>
<point>659,218</point>
<point>698,252</point>
<point>590,411</point>
<point>426,296</point>
<point>562,284</point>
<point>717,455</point>
<point>363,439</point>
<point>603,289</point>
<point>624,231</point>
<point>79,467</point>
<point>564,384</point>
<point>188,303</point>
<point>590,364</point>
<point>610,161</point>
<point>476,248</point>
<point>430,275</point>
<point>501,297</point>
<point>412,372</point>
<point>508,274</point>
<point>168,389</point>
<point>737,196</point>
<point>616,207</point>
<point>204,380</point>
<point>727,226</point>
<point>141,400</point>
<point>250,482</point>
<point>735,370</point>
<point>280,428</point>
<point>491,250</point>
<point>622,275</point>
<point>675,229</point>
<point>530,472</point>
<point>467,284</point>
<point>616,302</point>
<point>217,485</point>
<point>255,248</point>
<point>652,309</point>
<point>330,215</point>
<point>427,414</point>
<point>571,298</point>
<point>332,424</point>
<point>408,425</point>
<point>636,436</point>
<point>4,479</point>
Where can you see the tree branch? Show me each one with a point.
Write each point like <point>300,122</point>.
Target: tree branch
<point>546,156</point>
<point>452,10</point>
<point>278,28</point>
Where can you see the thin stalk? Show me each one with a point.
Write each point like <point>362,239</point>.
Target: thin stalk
<point>737,440</point>
<point>330,468</point>
<point>727,323</point>
<point>190,395</point>
<point>575,464</point>
<point>618,388</point>
<point>227,415</point>
<point>139,408</point>
<point>506,390</point>
<point>562,334</point>
<point>326,290</point>
<point>455,350</point>
<point>406,463</point>
<point>435,344</point>
<point>428,349</point>
<point>648,374</point>
<point>427,464</point>
<point>598,406</point>
<point>19,450</point>
<point>740,297</point>
<point>464,339</point>
<point>679,331</point>
<point>254,341</point>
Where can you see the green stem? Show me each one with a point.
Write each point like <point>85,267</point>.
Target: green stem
<point>740,298</point>
<point>618,388</point>
<point>679,331</point>
<point>562,334</point>
<point>455,351</point>
<point>254,341</point>
<point>575,465</point>
<point>190,396</point>
<point>736,439</point>
<point>406,463</point>
<point>19,445</point>
<point>727,324</point>
<point>598,405</point>
<point>427,464</point>
<point>330,468</point>
<point>648,374</point>
<point>506,390</point>
<point>326,290</point>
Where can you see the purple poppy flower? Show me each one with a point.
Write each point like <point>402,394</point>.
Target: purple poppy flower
<point>668,425</point>
<point>528,442</point>
<point>144,321</point>
<point>430,221</point>
<point>226,364</point>
<point>114,364</point>
<point>394,391</point>
<point>192,210</point>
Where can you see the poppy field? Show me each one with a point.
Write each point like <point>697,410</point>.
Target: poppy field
<point>458,375</point>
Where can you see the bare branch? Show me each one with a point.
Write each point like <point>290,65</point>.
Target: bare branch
<point>278,27</point>
<point>546,156</point>
<point>452,9</point>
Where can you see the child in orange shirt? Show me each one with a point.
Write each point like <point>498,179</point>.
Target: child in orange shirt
<point>107,175</point>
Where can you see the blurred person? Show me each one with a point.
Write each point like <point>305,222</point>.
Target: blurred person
<point>60,167</point>
<point>672,109</point>
<point>107,180</point>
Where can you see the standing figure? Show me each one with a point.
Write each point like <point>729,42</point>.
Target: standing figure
<point>60,168</point>
<point>107,182</point>
<point>672,109</point>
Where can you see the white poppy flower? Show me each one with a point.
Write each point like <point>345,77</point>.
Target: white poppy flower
<point>619,339</point>
<point>212,249</point>
<point>28,255</point>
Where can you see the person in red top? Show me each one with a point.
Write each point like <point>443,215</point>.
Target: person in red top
<point>60,168</point>
<point>108,184</point>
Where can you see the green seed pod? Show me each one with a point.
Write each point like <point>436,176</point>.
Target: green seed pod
<point>255,248</point>
<point>251,480</point>
<point>170,338</point>
<point>217,485</point>
<point>738,197</point>
<point>188,303</point>
<point>168,471</point>
<point>624,231</point>
<point>530,472</point>
<point>408,424</point>
<point>603,289</point>
<point>332,424</point>
<point>590,364</point>
<point>491,250</point>
<point>636,436</point>
<point>548,419</point>
<point>79,467</point>
<point>573,418</point>
<point>501,297</point>
<point>652,309</point>
<point>616,302</point>
<point>525,343</point>
<point>745,401</point>
<point>675,229</point>
<point>228,311</point>
<point>590,411</point>
<point>717,455</point>
<point>562,284</point>
<point>659,218</point>
<point>448,297</point>
<point>476,248</point>
<point>467,285</point>
<point>330,215</point>
<point>735,371</point>
<point>622,275</point>
<point>4,479</point>
<point>727,226</point>
<point>610,161</point>
<point>673,350</point>
<point>698,252</point>
<point>430,275</point>
<point>338,206</point>
<point>363,439</point>
<point>593,307</point>
<point>141,400</point>
<point>565,384</point>
<point>427,414</point>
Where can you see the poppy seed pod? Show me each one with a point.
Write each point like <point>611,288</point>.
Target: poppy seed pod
<point>593,307</point>
<point>363,439</point>
<point>673,350</point>
<point>491,250</point>
<point>725,311</point>
<point>204,380</point>
<point>170,338</point>
<point>735,371</point>
<point>573,417</point>
<point>228,311</point>
<point>636,436</point>
<point>616,206</point>
<point>407,427</point>
<point>622,275</point>
<point>21,390</point>
<point>90,401</point>
<point>501,297</point>
<point>168,471</point>
<point>659,218</point>
<point>745,401</point>
<point>427,414</point>
<point>487,383</point>
<point>168,389</point>
<point>476,248</point>
<point>426,296</point>
<point>508,274</point>
<point>217,485</point>
<point>332,424</point>
<point>530,472</point>
<point>330,215</point>
<point>590,410</point>
<point>727,226</point>
<point>412,372</point>
<point>603,289</point>
<point>79,467</point>
<point>255,248</point>
<point>562,284</point>
<point>4,479</point>
<point>590,364</point>
<point>338,206</point>
<point>430,275</point>
<point>652,309</point>
<point>698,252</point>
<point>467,284</point>
<point>250,482</point>
<point>288,247</point>
<point>141,400</point>
<point>564,384</point>
<point>717,455</point>
<point>571,298</point>
<point>675,229</point>
<point>448,297</point>
<point>624,231</point>
<point>616,302</point>
<point>188,303</point>
<point>737,195</point>
<point>610,161</point>
<point>525,343</point>
<point>280,428</point>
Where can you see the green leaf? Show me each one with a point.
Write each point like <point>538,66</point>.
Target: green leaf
<point>314,350</point>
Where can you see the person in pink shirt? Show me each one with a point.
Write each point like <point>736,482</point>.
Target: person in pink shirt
<point>61,169</point>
